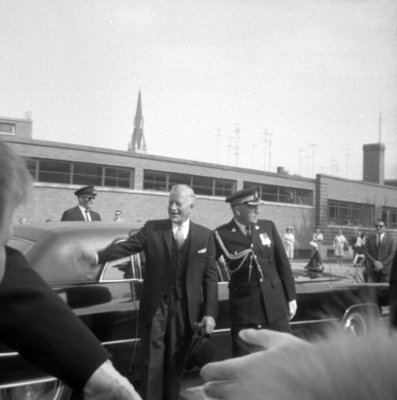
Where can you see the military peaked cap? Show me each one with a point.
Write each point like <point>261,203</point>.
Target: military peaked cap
<point>86,191</point>
<point>248,196</point>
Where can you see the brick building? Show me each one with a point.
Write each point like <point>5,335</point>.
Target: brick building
<point>138,183</point>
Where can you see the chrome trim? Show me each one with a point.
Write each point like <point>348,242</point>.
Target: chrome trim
<point>224,330</point>
<point>109,343</point>
<point>28,382</point>
<point>9,354</point>
<point>314,321</point>
<point>114,342</point>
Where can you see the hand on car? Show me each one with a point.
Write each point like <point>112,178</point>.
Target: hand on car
<point>256,376</point>
<point>83,256</point>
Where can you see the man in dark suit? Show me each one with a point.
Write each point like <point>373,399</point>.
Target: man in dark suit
<point>82,212</point>
<point>261,288</point>
<point>179,290</point>
<point>379,251</point>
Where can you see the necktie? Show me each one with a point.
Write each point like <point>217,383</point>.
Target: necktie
<point>179,237</point>
<point>87,214</point>
<point>248,232</point>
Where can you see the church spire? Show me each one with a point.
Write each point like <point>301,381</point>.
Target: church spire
<point>138,144</point>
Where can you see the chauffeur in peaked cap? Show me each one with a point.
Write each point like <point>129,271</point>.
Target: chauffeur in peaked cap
<point>82,212</point>
<point>261,289</point>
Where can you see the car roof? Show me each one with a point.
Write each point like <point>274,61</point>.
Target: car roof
<point>52,248</point>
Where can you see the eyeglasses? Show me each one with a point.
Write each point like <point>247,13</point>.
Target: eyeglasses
<point>88,198</point>
<point>379,226</point>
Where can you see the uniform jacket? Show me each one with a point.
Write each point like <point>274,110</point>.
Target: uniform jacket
<point>384,255</point>
<point>75,214</point>
<point>276,282</point>
<point>37,323</point>
<point>156,240</point>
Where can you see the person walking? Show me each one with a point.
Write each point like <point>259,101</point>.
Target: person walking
<point>82,212</point>
<point>379,251</point>
<point>180,290</point>
<point>261,289</point>
<point>340,244</point>
<point>289,243</point>
<point>357,244</point>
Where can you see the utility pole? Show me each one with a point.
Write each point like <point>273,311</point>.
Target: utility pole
<point>218,136</point>
<point>270,151</point>
<point>236,144</point>
<point>313,146</point>
<point>300,161</point>
<point>264,148</point>
<point>347,163</point>
<point>229,149</point>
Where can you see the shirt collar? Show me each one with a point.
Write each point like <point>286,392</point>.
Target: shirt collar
<point>240,225</point>
<point>185,228</point>
<point>82,209</point>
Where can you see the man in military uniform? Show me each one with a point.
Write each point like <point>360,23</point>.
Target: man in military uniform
<point>261,289</point>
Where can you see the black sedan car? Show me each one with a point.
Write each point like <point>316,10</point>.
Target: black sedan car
<point>106,298</point>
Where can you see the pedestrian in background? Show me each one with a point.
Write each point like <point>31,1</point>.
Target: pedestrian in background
<point>59,344</point>
<point>289,243</point>
<point>357,244</point>
<point>317,240</point>
<point>83,212</point>
<point>340,245</point>
<point>117,216</point>
<point>262,288</point>
<point>379,251</point>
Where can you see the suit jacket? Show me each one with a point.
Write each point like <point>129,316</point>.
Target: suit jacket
<point>38,324</point>
<point>75,214</point>
<point>276,282</point>
<point>156,239</point>
<point>384,254</point>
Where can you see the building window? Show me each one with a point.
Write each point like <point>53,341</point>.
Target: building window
<point>120,177</point>
<point>80,173</point>
<point>54,171</point>
<point>282,194</point>
<point>87,174</point>
<point>7,128</point>
<point>178,179</point>
<point>155,181</point>
<point>224,187</point>
<point>389,216</point>
<point>203,185</point>
<point>350,214</point>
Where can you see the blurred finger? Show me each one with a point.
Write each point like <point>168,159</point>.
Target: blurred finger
<point>223,370</point>
<point>268,339</point>
<point>219,390</point>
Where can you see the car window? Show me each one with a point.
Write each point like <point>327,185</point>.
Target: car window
<point>127,268</point>
<point>20,244</point>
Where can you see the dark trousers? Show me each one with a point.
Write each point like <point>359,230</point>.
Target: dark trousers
<point>240,348</point>
<point>377,277</point>
<point>164,347</point>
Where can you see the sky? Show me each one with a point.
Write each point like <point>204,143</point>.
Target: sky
<point>261,84</point>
